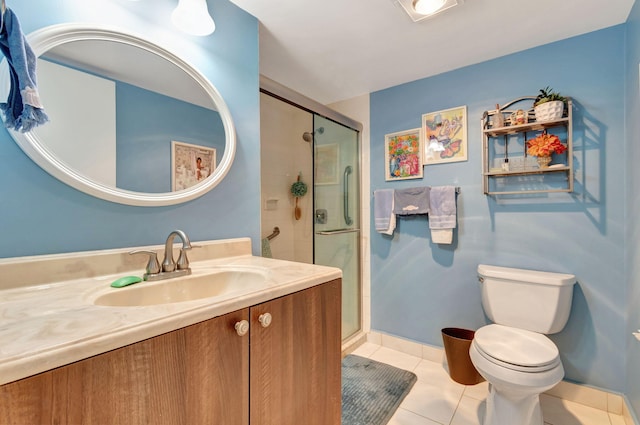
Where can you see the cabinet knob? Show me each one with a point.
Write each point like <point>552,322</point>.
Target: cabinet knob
<point>242,327</point>
<point>265,319</point>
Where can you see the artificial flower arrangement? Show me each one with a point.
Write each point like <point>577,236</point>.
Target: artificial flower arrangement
<point>544,145</point>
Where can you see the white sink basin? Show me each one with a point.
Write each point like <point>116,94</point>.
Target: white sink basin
<point>213,283</point>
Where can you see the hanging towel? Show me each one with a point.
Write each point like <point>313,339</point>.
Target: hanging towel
<point>442,217</point>
<point>385,219</point>
<point>266,248</point>
<point>23,109</point>
<point>442,236</point>
<point>411,201</point>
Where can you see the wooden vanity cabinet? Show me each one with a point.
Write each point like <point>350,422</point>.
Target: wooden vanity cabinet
<point>193,375</point>
<point>295,365</point>
<point>285,373</point>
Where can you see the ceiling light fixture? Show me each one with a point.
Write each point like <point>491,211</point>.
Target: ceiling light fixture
<point>423,9</point>
<point>192,17</point>
<point>428,7</point>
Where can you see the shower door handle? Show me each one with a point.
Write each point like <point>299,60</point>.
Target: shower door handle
<point>336,232</point>
<point>347,171</point>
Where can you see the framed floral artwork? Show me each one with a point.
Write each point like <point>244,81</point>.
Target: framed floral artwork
<point>444,134</point>
<point>403,155</point>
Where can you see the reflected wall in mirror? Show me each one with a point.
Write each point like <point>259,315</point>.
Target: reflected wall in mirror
<point>116,102</point>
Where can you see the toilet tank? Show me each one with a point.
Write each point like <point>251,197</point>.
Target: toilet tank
<point>527,299</point>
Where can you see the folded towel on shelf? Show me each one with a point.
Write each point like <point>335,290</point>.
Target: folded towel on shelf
<point>23,109</point>
<point>411,201</point>
<point>384,218</point>
<point>442,217</point>
<point>266,248</point>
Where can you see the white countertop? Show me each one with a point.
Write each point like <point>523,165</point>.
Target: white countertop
<point>48,325</point>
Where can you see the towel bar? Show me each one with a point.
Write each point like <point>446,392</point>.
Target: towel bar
<point>276,232</point>
<point>457,189</point>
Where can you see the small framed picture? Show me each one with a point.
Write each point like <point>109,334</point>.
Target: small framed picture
<point>444,135</point>
<point>403,155</point>
<point>190,164</point>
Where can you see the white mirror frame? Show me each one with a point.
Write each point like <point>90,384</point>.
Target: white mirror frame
<point>49,37</point>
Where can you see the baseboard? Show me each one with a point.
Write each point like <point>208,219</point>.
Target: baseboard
<point>629,417</point>
<point>614,403</point>
<point>424,351</point>
<point>593,397</point>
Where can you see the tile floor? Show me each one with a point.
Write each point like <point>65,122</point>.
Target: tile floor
<point>436,399</point>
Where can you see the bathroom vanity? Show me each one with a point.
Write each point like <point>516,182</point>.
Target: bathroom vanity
<point>266,354</point>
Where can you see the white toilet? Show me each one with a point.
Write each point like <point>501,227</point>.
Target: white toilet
<point>513,354</point>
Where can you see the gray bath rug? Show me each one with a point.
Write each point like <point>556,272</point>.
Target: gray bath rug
<point>372,391</point>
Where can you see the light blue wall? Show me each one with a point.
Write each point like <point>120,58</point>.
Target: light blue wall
<point>146,124</point>
<point>418,287</point>
<point>40,215</point>
<point>632,91</point>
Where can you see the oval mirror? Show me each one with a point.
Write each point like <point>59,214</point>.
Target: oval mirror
<point>130,122</point>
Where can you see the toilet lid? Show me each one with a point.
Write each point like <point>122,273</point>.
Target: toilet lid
<point>516,349</point>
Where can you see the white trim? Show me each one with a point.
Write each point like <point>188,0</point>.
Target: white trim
<point>49,37</point>
<point>629,417</point>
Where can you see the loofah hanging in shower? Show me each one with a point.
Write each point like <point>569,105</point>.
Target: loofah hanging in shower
<point>298,189</point>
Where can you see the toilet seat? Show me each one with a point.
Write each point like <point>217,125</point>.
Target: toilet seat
<point>516,349</point>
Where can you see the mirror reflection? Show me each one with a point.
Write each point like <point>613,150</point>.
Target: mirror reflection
<point>125,117</point>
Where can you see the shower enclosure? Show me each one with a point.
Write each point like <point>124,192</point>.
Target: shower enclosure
<point>337,211</point>
<point>327,231</point>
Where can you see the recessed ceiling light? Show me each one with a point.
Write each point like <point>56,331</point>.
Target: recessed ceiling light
<point>423,9</point>
<point>428,7</point>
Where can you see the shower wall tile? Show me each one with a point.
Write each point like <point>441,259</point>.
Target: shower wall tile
<point>284,154</point>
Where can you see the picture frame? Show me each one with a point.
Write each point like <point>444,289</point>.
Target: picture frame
<point>403,155</point>
<point>190,164</point>
<point>444,134</point>
<point>326,164</point>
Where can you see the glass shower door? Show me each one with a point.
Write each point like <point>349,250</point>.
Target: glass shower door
<point>337,212</point>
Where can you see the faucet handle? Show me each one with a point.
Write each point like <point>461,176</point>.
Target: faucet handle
<point>153,266</point>
<point>183,261</point>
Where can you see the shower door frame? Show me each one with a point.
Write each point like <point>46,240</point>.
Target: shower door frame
<point>278,91</point>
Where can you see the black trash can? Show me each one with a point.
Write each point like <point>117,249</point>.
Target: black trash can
<point>456,346</point>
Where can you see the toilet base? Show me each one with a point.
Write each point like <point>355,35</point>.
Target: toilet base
<point>512,407</point>
<point>514,395</point>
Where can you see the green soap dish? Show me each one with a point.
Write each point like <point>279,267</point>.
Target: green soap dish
<point>125,281</point>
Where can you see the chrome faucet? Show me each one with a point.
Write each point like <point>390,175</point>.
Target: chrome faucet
<point>169,268</point>
<point>168,265</point>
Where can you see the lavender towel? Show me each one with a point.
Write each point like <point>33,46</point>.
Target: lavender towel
<point>384,218</point>
<point>411,201</point>
<point>23,109</point>
<point>443,207</point>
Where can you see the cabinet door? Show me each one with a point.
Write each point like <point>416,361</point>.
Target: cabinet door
<point>198,374</point>
<point>295,361</point>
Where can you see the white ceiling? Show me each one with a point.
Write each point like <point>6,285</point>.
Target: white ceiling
<point>331,50</point>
